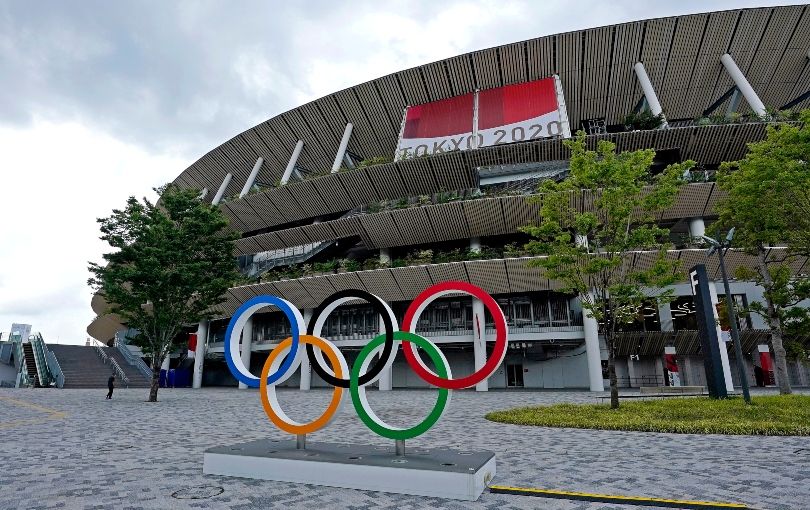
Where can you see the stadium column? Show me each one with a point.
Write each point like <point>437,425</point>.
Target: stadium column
<point>247,342</point>
<point>292,162</point>
<point>386,381</point>
<point>166,361</point>
<point>697,227</point>
<point>649,91</point>
<point>251,178</point>
<point>665,316</point>
<point>344,142</point>
<point>222,187</point>
<point>305,382</point>
<point>592,351</point>
<point>199,354</point>
<point>479,327</point>
<point>742,84</point>
<point>631,372</point>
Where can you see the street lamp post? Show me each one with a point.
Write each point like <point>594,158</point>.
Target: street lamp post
<point>720,248</point>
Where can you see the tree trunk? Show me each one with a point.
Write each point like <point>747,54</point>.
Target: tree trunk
<point>153,389</point>
<point>614,384</point>
<point>775,323</point>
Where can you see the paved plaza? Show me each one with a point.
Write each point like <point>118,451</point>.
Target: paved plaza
<point>72,449</point>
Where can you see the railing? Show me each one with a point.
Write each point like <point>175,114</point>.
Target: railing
<point>55,369</point>
<point>490,332</point>
<point>639,381</point>
<point>41,359</point>
<point>109,361</point>
<point>19,363</point>
<point>133,360</point>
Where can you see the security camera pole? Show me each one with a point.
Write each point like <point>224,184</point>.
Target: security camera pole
<point>720,248</point>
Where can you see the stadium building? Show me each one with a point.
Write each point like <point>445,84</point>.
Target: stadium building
<point>427,174</point>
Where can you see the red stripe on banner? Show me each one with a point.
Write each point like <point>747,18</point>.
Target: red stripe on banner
<point>516,103</point>
<point>192,341</point>
<point>447,117</point>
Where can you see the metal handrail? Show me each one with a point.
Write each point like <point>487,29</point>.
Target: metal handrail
<point>133,360</point>
<point>41,359</point>
<point>55,369</point>
<point>19,362</point>
<point>108,360</point>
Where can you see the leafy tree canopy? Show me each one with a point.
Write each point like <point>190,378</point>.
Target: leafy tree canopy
<point>171,263</point>
<point>613,200</point>
<point>768,202</point>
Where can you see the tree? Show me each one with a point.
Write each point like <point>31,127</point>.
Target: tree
<point>626,198</point>
<point>171,263</point>
<point>768,202</point>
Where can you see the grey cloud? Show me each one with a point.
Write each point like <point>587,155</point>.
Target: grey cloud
<point>172,75</point>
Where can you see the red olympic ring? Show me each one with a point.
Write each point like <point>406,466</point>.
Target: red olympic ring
<point>421,302</point>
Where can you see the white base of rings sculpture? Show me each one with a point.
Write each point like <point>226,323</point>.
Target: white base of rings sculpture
<point>442,473</point>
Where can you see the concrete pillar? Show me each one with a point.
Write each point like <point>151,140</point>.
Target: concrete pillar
<point>251,178</point>
<point>247,342</point>
<point>631,372</point>
<point>386,380</point>
<point>222,187</point>
<point>479,341</point>
<point>665,316</point>
<point>697,227</point>
<point>722,340</point>
<point>659,368</point>
<point>199,354</point>
<point>649,91</point>
<point>306,369</point>
<point>385,256</point>
<point>479,327</point>
<point>166,361</point>
<point>742,84</point>
<point>592,351</point>
<point>291,164</point>
<point>344,142</point>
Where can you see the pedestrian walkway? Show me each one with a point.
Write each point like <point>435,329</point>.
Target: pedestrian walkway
<point>130,454</point>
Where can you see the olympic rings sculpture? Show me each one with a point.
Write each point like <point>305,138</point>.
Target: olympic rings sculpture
<point>286,357</point>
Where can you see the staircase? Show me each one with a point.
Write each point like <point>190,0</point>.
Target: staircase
<point>31,364</point>
<point>135,376</point>
<point>83,368</point>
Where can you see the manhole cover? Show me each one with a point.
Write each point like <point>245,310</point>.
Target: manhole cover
<point>201,492</point>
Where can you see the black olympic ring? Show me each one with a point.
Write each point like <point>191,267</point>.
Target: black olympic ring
<point>381,308</point>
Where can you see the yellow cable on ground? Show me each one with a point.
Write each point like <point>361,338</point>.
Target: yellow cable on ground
<point>609,498</point>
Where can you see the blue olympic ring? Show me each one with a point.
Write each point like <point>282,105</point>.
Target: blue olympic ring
<point>237,323</point>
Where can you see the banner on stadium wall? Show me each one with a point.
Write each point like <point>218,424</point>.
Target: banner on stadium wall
<point>192,345</point>
<point>509,114</point>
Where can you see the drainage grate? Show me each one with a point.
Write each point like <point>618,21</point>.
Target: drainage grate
<point>201,492</point>
<point>111,448</point>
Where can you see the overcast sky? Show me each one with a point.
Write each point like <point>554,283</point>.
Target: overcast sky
<point>100,100</point>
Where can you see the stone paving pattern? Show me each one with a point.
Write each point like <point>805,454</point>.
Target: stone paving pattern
<point>130,454</point>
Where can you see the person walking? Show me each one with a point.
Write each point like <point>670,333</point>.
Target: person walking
<point>110,386</point>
